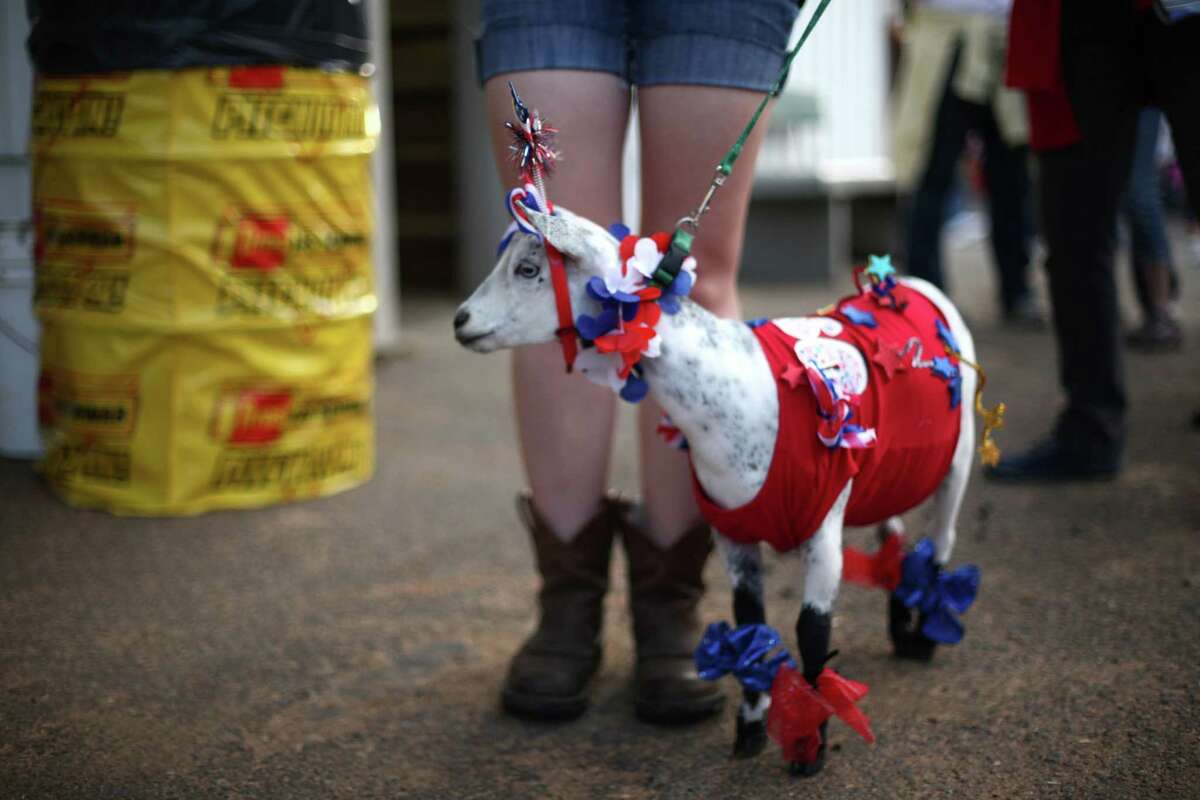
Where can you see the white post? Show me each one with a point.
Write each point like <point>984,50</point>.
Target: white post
<point>18,325</point>
<point>383,176</point>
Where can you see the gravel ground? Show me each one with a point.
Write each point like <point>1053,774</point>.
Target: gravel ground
<point>353,647</point>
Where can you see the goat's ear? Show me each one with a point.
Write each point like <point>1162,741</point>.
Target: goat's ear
<point>562,229</point>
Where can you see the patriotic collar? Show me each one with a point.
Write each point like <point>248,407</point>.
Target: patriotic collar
<point>615,340</point>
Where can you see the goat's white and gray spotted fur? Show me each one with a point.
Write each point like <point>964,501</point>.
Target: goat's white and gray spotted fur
<point>716,384</point>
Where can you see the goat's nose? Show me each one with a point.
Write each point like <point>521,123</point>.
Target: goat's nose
<point>461,318</point>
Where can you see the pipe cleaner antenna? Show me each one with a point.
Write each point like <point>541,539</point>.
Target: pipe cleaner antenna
<point>532,147</point>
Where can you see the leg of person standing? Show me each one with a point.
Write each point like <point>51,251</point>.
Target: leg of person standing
<point>1153,274</point>
<point>568,60</point>
<point>927,207</point>
<point>701,70</point>
<point>1007,175</point>
<point>1080,188</point>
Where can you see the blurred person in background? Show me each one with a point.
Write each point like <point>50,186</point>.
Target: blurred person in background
<point>699,69</point>
<point>1088,68</point>
<point>950,85</point>
<point>1154,275</point>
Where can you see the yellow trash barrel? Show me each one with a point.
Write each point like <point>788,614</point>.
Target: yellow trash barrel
<point>204,286</point>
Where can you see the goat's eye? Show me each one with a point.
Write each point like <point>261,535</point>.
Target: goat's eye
<point>527,270</point>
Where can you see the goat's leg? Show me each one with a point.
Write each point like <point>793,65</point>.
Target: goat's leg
<point>743,562</point>
<point>821,580</point>
<point>904,625</point>
<point>890,526</point>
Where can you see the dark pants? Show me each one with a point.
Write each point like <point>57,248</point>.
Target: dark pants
<point>1115,60</point>
<point>1008,189</point>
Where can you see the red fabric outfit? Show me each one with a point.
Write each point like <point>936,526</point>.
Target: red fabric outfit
<point>908,406</point>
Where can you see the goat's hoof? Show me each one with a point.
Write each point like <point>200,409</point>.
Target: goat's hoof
<point>751,738</point>
<point>806,769</point>
<point>904,628</point>
<point>914,648</point>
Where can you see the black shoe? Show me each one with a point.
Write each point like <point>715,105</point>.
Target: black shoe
<point>1024,312</point>
<point>1160,334</point>
<point>1054,459</point>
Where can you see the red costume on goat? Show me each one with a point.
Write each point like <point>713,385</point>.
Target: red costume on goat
<point>908,400</point>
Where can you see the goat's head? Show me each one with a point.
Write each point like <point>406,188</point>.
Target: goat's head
<point>515,303</point>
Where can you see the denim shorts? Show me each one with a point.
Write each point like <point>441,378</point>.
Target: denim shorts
<point>732,43</point>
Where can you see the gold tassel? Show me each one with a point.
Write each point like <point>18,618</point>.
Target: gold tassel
<point>993,418</point>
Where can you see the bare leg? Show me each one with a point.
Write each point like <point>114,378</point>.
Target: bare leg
<point>685,132</point>
<point>565,423</point>
<point>743,563</point>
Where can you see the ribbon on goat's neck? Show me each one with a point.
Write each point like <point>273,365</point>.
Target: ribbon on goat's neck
<point>519,202</point>
<point>562,303</point>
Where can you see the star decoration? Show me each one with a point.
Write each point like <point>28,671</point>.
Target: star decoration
<point>880,267</point>
<point>946,336</point>
<point>889,359</point>
<point>944,368</point>
<point>794,376</point>
<point>989,454</point>
<point>859,317</point>
<point>955,385</point>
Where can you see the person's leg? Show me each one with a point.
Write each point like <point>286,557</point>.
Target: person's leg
<point>1080,188</point>
<point>566,462</point>
<point>570,61</point>
<point>677,168</point>
<point>1174,68</point>
<point>1151,254</point>
<point>701,70</point>
<point>927,206</point>
<point>1007,175</point>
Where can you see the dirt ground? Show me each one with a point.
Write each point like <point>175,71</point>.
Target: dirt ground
<point>353,647</point>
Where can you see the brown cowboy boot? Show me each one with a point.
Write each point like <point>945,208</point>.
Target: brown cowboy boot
<point>665,587</point>
<point>549,675</point>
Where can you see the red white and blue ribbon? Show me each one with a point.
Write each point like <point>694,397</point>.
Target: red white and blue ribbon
<point>834,412</point>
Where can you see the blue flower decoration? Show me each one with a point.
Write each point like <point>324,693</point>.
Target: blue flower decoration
<point>859,317</point>
<point>635,389</point>
<point>597,289</point>
<point>939,596</point>
<point>679,288</point>
<point>618,230</point>
<point>943,332</point>
<point>757,323</point>
<point>744,651</point>
<point>592,328</point>
<point>955,385</point>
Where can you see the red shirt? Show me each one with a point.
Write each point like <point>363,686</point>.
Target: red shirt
<point>909,408</point>
<point>1035,65</point>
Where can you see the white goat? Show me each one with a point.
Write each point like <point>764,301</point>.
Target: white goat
<point>715,382</point>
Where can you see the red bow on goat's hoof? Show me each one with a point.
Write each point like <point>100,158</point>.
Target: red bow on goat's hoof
<point>800,713</point>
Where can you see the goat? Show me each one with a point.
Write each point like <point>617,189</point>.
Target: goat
<point>719,388</point>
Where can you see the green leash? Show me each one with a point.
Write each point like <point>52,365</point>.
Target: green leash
<point>686,228</point>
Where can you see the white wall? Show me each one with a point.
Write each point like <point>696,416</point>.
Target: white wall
<point>844,65</point>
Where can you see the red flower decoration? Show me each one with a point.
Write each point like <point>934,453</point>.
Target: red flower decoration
<point>798,710</point>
